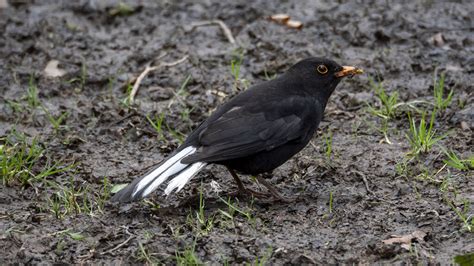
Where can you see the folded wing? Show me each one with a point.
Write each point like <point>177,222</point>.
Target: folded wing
<point>243,131</point>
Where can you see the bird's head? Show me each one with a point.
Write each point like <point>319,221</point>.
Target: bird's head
<point>321,75</point>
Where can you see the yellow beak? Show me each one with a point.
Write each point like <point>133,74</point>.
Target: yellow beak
<point>348,70</point>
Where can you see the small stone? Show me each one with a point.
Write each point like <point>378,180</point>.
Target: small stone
<point>437,40</point>
<point>52,69</point>
<point>464,126</point>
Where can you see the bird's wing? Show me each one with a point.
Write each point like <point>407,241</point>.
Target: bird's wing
<point>248,129</point>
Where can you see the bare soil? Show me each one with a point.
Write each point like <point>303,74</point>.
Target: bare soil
<point>348,202</point>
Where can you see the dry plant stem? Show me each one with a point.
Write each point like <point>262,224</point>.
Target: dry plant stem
<point>221,24</point>
<point>85,257</point>
<point>174,63</point>
<point>131,236</point>
<point>366,183</point>
<point>134,79</point>
<point>177,97</point>
<point>139,80</point>
<point>118,246</point>
<point>147,70</point>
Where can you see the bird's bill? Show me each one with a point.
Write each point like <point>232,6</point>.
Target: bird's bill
<point>349,70</point>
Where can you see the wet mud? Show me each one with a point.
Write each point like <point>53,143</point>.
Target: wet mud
<point>348,201</point>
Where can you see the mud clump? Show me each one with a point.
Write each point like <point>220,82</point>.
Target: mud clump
<point>67,71</point>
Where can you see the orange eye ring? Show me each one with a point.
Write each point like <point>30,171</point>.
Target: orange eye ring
<point>322,69</point>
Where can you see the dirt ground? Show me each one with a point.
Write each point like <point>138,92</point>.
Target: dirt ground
<point>356,190</point>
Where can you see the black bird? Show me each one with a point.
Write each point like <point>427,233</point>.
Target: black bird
<point>254,132</point>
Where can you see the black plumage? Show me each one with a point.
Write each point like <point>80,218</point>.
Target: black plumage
<point>257,130</point>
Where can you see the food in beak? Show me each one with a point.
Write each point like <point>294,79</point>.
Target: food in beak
<point>348,70</point>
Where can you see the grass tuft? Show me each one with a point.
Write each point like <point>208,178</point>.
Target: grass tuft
<point>56,121</point>
<point>122,9</point>
<point>264,259</point>
<point>32,93</point>
<point>388,103</point>
<point>24,163</point>
<point>82,79</point>
<point>441,103</point>
<point>422,137</point>
<point>76,199</point>
<point>454,161</point>
<point>199,222</point>
<point>144,255</point>
<point>233,210</point>
<point>126,102</point>
<point>386,108</point>
<point>188,256</point>
<point>328,144</point>
<point>235,65</point>
<point>157,124</point>
<point>464,215</point>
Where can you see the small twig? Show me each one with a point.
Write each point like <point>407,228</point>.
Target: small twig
<point>177,97</point>
<point>439,171</point>
<point>174,63</point>
<point>131,236</point>
<point>118,246</point>
<point>386,139</point>
<point>366,183</point>
<point>83,258</point>
<point>221,24</point>
<point>312,144</point>
<point>139,80</point>
<point>134,79</point>
<point>157,58</point>
<point>122,119</point>
<point>147,70</point>
<point>364,179</point>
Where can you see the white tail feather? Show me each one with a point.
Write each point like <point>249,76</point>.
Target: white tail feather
<point>167,169</point>
<point>182,178</point>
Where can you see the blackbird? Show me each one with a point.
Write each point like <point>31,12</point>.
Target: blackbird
<point>254,132</point>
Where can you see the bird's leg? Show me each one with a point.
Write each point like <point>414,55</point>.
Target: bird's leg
<point>241,187</point>
<point>273,190</point>
<point>237,179</point>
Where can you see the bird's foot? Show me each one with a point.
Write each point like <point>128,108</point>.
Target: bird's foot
<point>273,193</point>
<point>269,197</point>
<point>284,199</point>
<point>276,195</point>
<point>249,192</point>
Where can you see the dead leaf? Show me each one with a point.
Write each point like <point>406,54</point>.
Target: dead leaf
<point>284,19</point>
<point>117,187</point>
<point>405,246</point>
<point>294,24</point>
<point>52,69</point>
<point>405,240</point>
<point>280,18</point>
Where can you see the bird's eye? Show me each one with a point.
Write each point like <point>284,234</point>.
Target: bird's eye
<point>322,69</point>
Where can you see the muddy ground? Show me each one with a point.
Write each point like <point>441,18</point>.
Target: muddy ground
<point>349,200</point>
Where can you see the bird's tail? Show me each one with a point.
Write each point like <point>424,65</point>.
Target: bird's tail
<point>172,166</point>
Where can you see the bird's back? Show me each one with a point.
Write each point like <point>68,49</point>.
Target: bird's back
<point>259,129</point>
